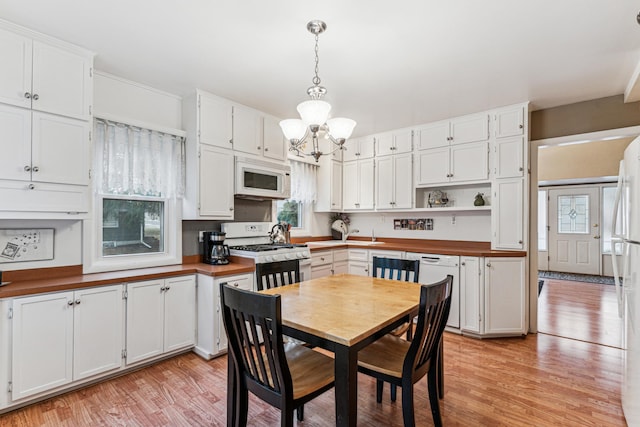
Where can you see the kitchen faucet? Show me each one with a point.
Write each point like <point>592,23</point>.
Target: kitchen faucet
<point>345,236</point>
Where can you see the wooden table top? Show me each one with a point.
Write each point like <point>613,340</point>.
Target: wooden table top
<point>346,308</point>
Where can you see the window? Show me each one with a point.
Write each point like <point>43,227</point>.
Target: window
<point>573,214</point>
<point>542,220</point>
<point>139,182</point>
<point>297,210</point>
<point>290,211</point>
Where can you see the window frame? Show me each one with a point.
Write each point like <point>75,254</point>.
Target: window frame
<point>305,218</point>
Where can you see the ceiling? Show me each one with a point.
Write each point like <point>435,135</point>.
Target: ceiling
<point>385,64</point>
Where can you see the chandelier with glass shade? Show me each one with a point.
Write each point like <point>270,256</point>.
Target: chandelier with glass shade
<point>314,119</point>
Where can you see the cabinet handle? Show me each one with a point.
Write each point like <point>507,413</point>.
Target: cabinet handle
<point>462,263</point>
<point>596,237</point>
<point>35,97</point>
<point>27,95</point>
<point>266,148</point>
<point>231,208</point>
<point>77,302</point>
<point>258,147</point>
<point>231,141</point>
<point>488,264</point>
<point>162,289</point>
<point>521,169</point>
<point>521,126</point>
<point>27,168</point>
<point>235,284</point>
<point>520,241</point>
<point>70,303</point>
<point>166,288</point>
<point>35,169</point>
<point>321,258</point>
<point>31,187</point>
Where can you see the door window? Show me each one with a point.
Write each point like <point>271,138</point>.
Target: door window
<point>573,214</point>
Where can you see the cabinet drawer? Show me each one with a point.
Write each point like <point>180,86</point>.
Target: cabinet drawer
<point>321,258</point>
<point>385,254</point>
<point>358,255</point>
<point>244,281</point>
<point>44,197</point>
<point>340,255</point>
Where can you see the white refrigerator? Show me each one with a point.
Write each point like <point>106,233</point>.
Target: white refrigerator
<point>626,268</point>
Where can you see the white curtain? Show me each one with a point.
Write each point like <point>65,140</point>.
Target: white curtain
<point>303,182</point>
<point>134,161</point>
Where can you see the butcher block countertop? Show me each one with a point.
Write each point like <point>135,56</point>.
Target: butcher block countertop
<point>441,247</point>
<point>29,282</point>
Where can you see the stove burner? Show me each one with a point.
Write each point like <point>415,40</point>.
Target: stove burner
<point>266,247</point>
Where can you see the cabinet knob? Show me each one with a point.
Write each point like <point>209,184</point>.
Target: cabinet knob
<point>520,169</point>
<point>77,302</point>
<point>27,168</point>
<point>162,289</point>
<point>231,141</point>
<point>31,187</point>
<point>462,263</point>
<point>35,169</point>
<point>521,126</point>
<point>166,288</point>
<point>520,241</point>
<point>235,284</point>
<point>258,147</point>
<point>488,264</point>
<point>596,237</point>
<point>27,95</point>
<point>70,303</point>
<point>231,208</point>
<point>266,148</point>
<point>35,97</point>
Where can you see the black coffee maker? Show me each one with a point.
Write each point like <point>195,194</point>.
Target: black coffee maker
<point>215,252</point>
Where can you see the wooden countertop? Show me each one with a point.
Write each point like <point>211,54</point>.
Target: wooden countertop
<point>30,283</point>
<point>442,247</point>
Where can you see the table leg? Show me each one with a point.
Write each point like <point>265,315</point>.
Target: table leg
<point>346,371</point>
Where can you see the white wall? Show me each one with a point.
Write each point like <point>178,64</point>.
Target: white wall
<point>67,248</point>
<point>472,226</point>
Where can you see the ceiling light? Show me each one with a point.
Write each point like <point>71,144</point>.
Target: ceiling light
<point>314,114</point>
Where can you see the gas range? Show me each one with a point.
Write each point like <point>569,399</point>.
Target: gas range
<point>251,240</point>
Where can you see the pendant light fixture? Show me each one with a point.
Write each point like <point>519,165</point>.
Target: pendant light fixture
<point>314,114</point>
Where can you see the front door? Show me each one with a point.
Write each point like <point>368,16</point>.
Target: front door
<point>574,230</point>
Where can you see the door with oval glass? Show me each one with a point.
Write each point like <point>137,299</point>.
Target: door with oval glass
<point>574,230</point>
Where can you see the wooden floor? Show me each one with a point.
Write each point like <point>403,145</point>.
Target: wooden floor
<point>541,380</point>
<point>582,311</point>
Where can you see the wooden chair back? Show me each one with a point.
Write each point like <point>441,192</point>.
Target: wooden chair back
<point>435,302</point>
<point>274,274</point>
<point>396,269</point>
<point>261,363</point>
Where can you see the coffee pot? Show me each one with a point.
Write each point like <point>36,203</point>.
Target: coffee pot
<point>215,252</point>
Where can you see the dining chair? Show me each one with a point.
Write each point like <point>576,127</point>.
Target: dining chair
<point>403,363</point>
<point>286,377</point>
<point>273,274</point>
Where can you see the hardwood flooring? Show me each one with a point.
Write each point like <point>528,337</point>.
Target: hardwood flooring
<point>581,311</point>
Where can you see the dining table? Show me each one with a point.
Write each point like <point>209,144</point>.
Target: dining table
<point>342,314</point>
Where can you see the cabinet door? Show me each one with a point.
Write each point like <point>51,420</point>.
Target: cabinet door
<point>471,283</point>
<point>247,130</point>
<point>509,157</point>
<point>504,296</point>
<point>403,181</point>
<point>98,321</point>
<point>384,183</point>
<point>509,121</point>
<point>215,117</point>
<point>350,152</point>
<point>470,162</point>
<point>358,268</point>
<point>470,129</point>
<point>433,166</point>
<point>366,148</point>
<point>216,183</point>
<point>15,140</point>
<point>384,144</point>
<point>145,320</point>
<point>15,73</point>
<point>366,182</point>
<point>42,350</point>
<point>60,150</point>
<point>350,197</point>
<point>62,82</point>
<point>244,281</point>
<point>402,141</point>
<point>272,139</point>
<point>336,185</point>
<point>341,267</point>
<point>507,214</point>
<point>432,135</point>
<point>321,271</point>
<point>179,313</point>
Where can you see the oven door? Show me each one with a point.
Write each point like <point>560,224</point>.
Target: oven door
<point>259,179</point>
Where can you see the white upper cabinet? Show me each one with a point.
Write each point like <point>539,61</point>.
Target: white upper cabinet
<point>394,142</point>
<point>433,135</point>
<point>394,182</point>
<point>358,149</point>
<point>273,142</point>
<point>44,77</point>
<point>461,130</point>
<point>215,185</point>
<point>509,157</point>
<point>507,214</point>
<point>247,130</point>
<point>214,121</point>
<point>455,164</point>
<point>509,121</point>
<point>359,182</point>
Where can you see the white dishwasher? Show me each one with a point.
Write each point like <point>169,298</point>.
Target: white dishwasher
<point>433,268</point>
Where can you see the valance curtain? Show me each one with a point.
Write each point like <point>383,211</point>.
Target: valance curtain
<point>134,161</point>
<point>303,182</point>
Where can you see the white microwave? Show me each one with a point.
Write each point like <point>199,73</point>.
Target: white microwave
<point>258,179</point>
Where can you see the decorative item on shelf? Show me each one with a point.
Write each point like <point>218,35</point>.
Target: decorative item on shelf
<point>438,199</point>
<point>314,114</point>
<point>339,223</point>
<point>479,200</point>
<point>413,224</point>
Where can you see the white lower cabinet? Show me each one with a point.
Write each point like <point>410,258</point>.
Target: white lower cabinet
<point>63,337</point>
<point>493,296</point>
<point>161,317</point>
<point>321,264</point>
<point>212,338</point>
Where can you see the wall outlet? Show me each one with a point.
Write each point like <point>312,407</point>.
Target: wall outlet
<point>382,218</point>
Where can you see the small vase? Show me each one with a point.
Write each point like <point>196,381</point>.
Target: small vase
<point>336,235</point>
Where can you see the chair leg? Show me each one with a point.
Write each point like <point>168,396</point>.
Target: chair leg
<point>300,412</point>
<point>440,376</point>
<point>286,416</point>
<point>379,385</point>
<point>394,392</point>
<point>408,415</point>
<point>432,384</point>
<point>243,404</point>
